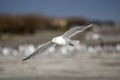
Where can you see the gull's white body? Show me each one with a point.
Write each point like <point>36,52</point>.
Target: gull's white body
<point>60,40</point>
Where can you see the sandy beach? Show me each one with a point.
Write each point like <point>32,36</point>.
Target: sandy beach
<point>77,67</point>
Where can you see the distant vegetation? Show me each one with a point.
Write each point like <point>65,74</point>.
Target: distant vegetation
<point>32,23</point>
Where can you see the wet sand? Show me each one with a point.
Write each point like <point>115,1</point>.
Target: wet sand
<point>76,67</point>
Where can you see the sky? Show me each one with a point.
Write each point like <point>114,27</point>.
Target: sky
<point>90,9</point>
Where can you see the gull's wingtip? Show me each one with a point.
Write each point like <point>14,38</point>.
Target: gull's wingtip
<point>87,26</point>
<point>90,25</point>
<point>25,59</point>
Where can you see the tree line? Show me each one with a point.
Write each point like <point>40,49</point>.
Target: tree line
<point>32,23</point>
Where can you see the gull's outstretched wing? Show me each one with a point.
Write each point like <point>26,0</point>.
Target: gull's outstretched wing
<point>41,49</point>
<point>75,30</point>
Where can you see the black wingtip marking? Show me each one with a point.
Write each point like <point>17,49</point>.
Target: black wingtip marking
<point>25,59</point>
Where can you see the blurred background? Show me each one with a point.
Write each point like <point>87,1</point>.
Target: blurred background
<point>27,24</point>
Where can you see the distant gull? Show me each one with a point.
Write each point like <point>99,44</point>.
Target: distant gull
<point>60,40</point>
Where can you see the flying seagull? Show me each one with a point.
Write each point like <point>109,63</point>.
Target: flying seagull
<point>59,40</point>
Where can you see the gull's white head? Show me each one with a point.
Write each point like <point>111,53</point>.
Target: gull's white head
<point>59,40</point>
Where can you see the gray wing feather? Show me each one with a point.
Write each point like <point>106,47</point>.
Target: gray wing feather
<point>75,30</point>
<point>41,49</point>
